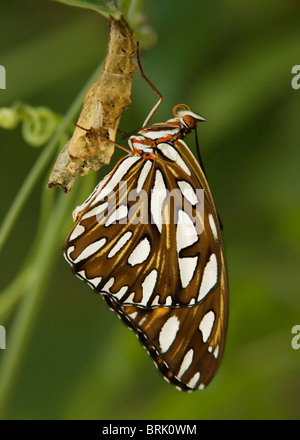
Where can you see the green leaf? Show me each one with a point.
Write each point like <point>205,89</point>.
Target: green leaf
<point>104,7</point>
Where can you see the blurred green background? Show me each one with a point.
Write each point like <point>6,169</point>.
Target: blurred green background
<point>68,356</point>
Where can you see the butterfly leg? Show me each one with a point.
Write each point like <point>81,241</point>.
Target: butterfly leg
<point>153,88</point>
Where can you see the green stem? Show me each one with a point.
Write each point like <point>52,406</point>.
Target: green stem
<point>42,261</point>
<point>25,280</point>
<point>24,319</point>
<point>41,269</point>
<point>11,295</point>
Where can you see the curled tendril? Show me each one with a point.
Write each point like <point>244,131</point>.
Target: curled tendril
<point>38,123</point>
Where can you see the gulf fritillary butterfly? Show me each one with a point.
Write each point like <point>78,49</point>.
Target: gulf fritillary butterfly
<point>149,240</point>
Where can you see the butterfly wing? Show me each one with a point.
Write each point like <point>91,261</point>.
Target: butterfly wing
<point>159,266</point>
<point>185,343</point>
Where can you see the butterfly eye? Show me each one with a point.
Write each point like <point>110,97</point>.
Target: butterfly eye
<point>189,121</point>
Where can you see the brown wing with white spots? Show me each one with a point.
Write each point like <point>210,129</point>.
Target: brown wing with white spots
<point>149,240</point>
<point>185,343</point>
<point>147,236</point>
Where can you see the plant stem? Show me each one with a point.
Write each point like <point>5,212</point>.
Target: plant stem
<point>24,319</point>
<point>11,295</point>
<point>43,260</point>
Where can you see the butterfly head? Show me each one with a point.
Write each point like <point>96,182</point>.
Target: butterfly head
<point>186,117</point>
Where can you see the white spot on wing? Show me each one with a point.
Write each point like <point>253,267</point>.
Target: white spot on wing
<point>194,380</point>
<point>168,333</point>
<point>209,277</point>
<point>97,210</point>
<point>121,292</point>
<point>171,153</point>
<point>186,363</point>
<point>169,300</point>
<point>90,250</point>
<point>120,243</point>
<point>213,226</point>
<point>148,286</point>
<point>130,298</point>
<point>216,352</point>
<point>158,195</point>
<point>133,315</point>
<point>116,176</point>
<point>186,233</point>
<point>188,192</point>
<point>157,134</point>
<point>140,253</point>
<point>206,325</point>
<point>141,322</point>
<point>119,214</point>
<point>68,252</point>
<point>94,281</point>
<point>156,302</point>
<point>93,197</point>
<point>143,175</point>
<point>108,285</point>
<point>78,230</point>
<point>187,268</point>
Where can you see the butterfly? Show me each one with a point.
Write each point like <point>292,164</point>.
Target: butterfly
<point>148,239</point>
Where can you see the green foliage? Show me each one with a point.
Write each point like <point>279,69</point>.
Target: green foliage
<point>103,7</point>
<point>38,124</point>
<point>68,356</point>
